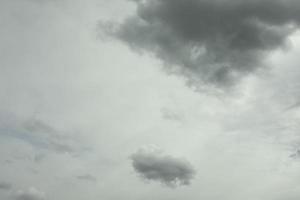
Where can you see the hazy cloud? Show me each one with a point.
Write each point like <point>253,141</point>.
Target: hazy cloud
<point>5,186</point>
<point>296,155</point>
<point>171,115</point>
<point>294,106</point>
<point>39,157</point>
<point>37,133</point>
<point>30,194</point>
<point>50,136</point>
<point>211,41</point>
<point>154,165</point>
<point>87,177</point>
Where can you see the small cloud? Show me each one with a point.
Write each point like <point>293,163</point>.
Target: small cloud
<point>155,166</point>
<point>30,194</point>
<point>87,177</point>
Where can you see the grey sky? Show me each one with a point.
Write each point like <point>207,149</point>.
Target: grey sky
<point>76,108</point>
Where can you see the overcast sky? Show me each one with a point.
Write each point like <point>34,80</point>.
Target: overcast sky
<point>149,99</point>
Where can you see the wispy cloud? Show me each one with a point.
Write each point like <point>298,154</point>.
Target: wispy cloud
<point>87,177</point>
<point>37,133</point>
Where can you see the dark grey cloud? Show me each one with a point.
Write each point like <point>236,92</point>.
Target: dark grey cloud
<point>163,168</point>
<point>5,186</point>
<point>210,41</point>
<point>30,194</point>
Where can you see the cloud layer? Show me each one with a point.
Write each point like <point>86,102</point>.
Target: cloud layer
<point>163,168</point>
<point>210,41</point>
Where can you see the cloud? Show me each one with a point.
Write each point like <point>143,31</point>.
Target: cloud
<point>5,186</point>
<point>49,136</point>
<point>154,165</point>
<point>296,155</point>
<point>216,42</point>
<point>87,177</point>
<point>294,106</point>
<point>39,157</point>
<point>37,133</point>
<point>30,194</point>
<point>172,115</point>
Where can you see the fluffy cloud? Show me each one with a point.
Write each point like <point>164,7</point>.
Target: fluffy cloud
<point>210,41</point>
<point>154,165</point>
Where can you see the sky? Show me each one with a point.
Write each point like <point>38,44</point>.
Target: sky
<point>149,99</point>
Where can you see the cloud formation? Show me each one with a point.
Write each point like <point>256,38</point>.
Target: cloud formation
<point>30,194</point>
<point>210,41</point>
<point>153,165</point>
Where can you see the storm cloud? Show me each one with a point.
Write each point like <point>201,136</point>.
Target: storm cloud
<point>215,42</point>
<point>163,168</point>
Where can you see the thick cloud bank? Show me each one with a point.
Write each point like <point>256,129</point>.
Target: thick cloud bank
<point>210,41</point>
<point>165,169</point>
